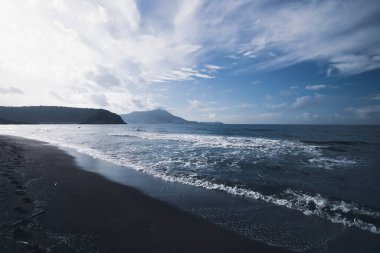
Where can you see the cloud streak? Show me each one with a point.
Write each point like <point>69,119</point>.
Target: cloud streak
<point>69,52</point>
<point>376,97</point>
<point>196,104</point>
<point>94,46</point>
<point>366,112</point>
<point>316,87</point>
<point>10,90</point>
<point>306,101</point>
<point>315,30</point>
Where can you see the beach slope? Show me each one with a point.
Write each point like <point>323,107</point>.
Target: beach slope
<point>78,211</point>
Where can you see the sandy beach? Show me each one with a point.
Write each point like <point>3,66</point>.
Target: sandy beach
<point>79,211</point>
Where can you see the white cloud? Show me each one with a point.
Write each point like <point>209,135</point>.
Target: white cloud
<point>376,97</point>
<point>268,98</point>
<point>365,112</point>
<point>212,115</point>
<point>252,118</point>
<point>180,75</point>
<point>316,87</point>
<point>78,49</point>
<point>145,102</point>
<point>10,90</point>
<point>226,91</point>
<point>81,48</point>
<point>334,116</point>
<point>305,101</point>
<point>211,107</point>
<point>196,104</point>
<point>277,106</point>
<point>302,102</point>
<point>307,116</point>
<point>250,54</point>
<point>265,116</point>
<point>245,105</point>
<point>285,34</point>
<point>213,67</point>
<point>99,99</point>
<point>104,77</point>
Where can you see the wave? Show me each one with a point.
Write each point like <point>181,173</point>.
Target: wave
<point>336,211</point>
<point>260,147</point>
<point>348,214</point>
<point>346,143</point>
<point>210,141</point>
<point>264,130</point>
<point>330,163</point>
<point>123,135</point>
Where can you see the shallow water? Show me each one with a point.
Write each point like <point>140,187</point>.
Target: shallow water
<point>328,172</point>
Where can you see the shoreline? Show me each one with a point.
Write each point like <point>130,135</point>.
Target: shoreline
<point>84,211</point>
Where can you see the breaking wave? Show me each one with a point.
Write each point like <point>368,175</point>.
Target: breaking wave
<point>336,211</point>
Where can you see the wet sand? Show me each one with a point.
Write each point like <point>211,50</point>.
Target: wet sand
<point>80,211</point>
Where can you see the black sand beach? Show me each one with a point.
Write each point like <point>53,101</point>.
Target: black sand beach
<point>83,212</point>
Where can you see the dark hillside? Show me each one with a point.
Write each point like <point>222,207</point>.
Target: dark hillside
<point>58,115</point>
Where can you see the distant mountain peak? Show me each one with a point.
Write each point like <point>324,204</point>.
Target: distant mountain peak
<point>156,116</point>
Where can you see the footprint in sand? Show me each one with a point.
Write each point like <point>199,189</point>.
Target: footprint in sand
<point>20,193</point>
<point>20,210</point>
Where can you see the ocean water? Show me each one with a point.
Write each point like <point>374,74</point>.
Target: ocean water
<point>330,172</point>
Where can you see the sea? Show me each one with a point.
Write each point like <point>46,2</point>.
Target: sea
<point>309,188</point>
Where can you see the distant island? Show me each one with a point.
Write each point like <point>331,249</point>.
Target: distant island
<point>57,115</point>
<point>158,116</point>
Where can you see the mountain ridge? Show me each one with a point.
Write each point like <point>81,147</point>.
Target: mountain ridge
<point>57,115</point>
<point>157,116</point>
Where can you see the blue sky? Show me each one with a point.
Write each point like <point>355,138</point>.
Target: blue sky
<point>240,61</point>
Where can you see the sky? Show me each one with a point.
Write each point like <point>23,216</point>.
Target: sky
<point>235,61</point>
